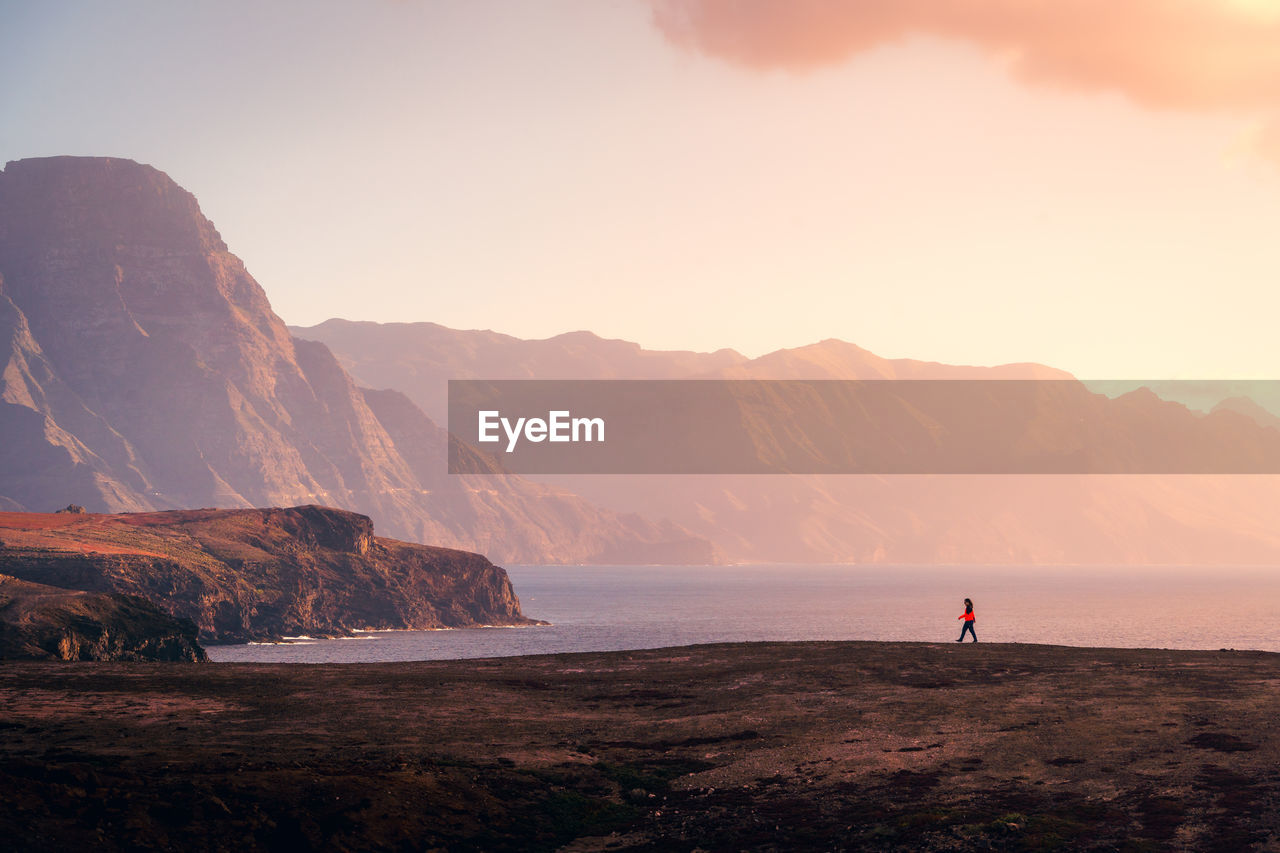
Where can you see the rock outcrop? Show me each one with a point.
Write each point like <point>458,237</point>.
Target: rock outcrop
<point>261,574</point>
<point>46,623</point>
<point>142,368</point>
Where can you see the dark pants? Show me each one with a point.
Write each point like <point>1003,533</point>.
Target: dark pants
<point>968,627</point>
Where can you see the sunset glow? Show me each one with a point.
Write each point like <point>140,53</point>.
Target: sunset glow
<point>1089,185</point>
<point>653,389</point>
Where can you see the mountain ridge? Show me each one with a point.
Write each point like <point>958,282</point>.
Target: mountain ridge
<point>903,519</point>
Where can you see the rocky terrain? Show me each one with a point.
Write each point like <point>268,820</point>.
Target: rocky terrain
<point>142,368</point>
<point>260,574</point>
<point>777,747</point>
<point>48,623</point>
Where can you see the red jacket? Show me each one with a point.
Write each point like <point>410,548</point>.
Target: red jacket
<point>967,616</point>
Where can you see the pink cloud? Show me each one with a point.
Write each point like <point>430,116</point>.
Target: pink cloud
<point>1182,54</point>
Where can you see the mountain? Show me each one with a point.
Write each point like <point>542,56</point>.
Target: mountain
<point>836,359</point>
<point>420,358</point>
<point>921,518</point>
<point>142,368</point>
<point>254,574</point>
<point>1250,409</point>
<point>45,622</point>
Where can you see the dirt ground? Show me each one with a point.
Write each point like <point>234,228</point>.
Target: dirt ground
<point>763,746</point>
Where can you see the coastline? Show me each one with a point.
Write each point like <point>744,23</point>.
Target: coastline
<point>367,634</point>
<point>835,745</point>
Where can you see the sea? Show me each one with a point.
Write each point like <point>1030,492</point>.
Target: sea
<point>609,608</point>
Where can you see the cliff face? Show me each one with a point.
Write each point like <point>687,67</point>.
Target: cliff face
<point>43,622</point>
<point>142,368</point>
<point>261,574</point>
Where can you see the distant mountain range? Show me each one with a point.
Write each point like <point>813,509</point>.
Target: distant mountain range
<point>142,368</point>
<point>1036,519</point>
<point>420,358</point>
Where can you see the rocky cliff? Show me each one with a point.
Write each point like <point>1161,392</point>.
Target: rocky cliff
<point>258,574</point>
<point>142,368</point>
<point>44,622</point>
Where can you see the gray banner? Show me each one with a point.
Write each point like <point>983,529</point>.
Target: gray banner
<point>863,427</point>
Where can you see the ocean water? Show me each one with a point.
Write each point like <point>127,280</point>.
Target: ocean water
<point>603,608</point>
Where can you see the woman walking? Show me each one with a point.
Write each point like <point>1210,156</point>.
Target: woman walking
<point>967,616</point>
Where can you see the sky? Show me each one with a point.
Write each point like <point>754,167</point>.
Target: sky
<point>1090,185</point>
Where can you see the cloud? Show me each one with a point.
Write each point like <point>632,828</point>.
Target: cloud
<point>1204,55</point>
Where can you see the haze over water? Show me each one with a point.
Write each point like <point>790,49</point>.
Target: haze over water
<point>607,608</point>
